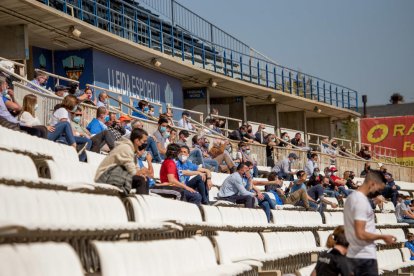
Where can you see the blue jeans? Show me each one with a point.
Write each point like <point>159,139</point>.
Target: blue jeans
<point>344,191</point>
<point>331,193</point>
<point>287,177</point>
<point>267,205</point>
<point>63,132</point>
<point>152,148</point>
<point>192,197</point>
<point>196,157</point>
<point>80,141</point>
<point>406,220</point>
<point>198,184</point>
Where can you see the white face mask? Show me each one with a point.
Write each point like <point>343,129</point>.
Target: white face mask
<point>36,107</point>
<point>182,158</point>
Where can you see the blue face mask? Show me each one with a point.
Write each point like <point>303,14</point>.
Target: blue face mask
<point>4,93</point>
<point>143,157</point>
<point>146,109</point>
<point>77,119</point>
<point>251,172</point>
<point>128,127</point>
<point>163,129</point>
<point>166,134</point>
<point>407,202</point>
<point>206,145</point>
<point>107,118</point>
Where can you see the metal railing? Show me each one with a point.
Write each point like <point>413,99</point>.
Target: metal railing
<point>227,120</point>
<point>20,66</point>
<point>57,77</point>
<point>228,56</point>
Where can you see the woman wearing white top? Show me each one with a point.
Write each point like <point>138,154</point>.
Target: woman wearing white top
<point>60,122</point>
<point>28,116</point>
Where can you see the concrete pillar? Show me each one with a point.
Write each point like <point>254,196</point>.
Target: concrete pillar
<point>244,110</point>
<point>305,129</point>
<point>277,125</point>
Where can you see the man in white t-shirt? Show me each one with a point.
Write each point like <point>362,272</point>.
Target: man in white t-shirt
<point>359,221</point>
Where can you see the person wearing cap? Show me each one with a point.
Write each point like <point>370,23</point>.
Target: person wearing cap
<point>61,91</point>
<point>185,121</point>
<point>125,123</point>
<point>339,182</point>
<point>283,168</point>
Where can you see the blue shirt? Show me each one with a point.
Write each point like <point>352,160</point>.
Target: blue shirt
<point>150,181</point>
<point>139,115</point>
<point>233,185</point>
<point>187,166</point>
<point>410,246</point>
<point>297,187</point>
<point>96,126</point>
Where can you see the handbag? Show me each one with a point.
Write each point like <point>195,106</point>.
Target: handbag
<point>119,177</point>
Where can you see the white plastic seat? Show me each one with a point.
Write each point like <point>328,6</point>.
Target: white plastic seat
<point>192,256</point>
<point>323,237</point>
<point>40,209</point>
<point>386,219</point>
<point>392,260</point>
<point>218,178</point>
<point>306,271</point>
<point>398,233</point>
<point>22,142</point>
<point>94,158</point>
<point>334,218</point>
<point>39,259</point>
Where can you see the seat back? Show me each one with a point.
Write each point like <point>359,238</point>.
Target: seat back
<point>218,178</point>
<point>153,208</point>
<point>59,209</point>
<point>398,233</point>
<point>72,172</point>
<point>178,257</point>
<point>334,218</point>
<point>40,259</point>
<point>287,218</point>
<point>387,218</point>
<point>235,246</point>
<point>406,255</point>
<point>94,158</point>
<point>17,167</point>
<point>212,215</point>
<point>323,237</point>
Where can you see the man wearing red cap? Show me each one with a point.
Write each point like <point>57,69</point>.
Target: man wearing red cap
<point>339,182</point>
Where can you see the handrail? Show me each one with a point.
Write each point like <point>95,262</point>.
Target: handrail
<point>162,36</point>
<point>56,76</point>
<point>14,62</point>
<point>152,103</point>
<point>24,80</point>
<point>201,114</point>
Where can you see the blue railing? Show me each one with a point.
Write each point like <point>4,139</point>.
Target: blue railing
<point>231,57</point>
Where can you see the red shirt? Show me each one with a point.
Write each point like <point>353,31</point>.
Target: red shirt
<point>334,178</point>
<point>168,167</point>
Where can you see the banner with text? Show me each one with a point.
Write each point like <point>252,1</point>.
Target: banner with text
<point>391,132</point>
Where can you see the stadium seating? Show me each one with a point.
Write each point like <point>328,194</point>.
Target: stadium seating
<point>39,259</point>
<point>391,260</point>
<point>192,256</point>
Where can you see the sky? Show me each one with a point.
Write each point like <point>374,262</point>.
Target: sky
<point>365,45</point>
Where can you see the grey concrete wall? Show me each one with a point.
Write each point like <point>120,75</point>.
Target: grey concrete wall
<point>320,126</point>
<point>292,120</point>
<point>14,42</point>
<point>262,114</point>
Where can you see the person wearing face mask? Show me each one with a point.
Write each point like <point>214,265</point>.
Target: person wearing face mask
<point>162,135</point>
<point>185,121</point>
<point>349,177</point>
<point>151,110</point>
<point>97,125</point>
<point>172,179</point>
<point>311,164</point>
<point>142,110</point>
<point>28,116</point>
<point>98,140</point>
<point>359,224</point>
<point>119,166</point>
<point>284,140</point>
<point>297,139</point>
<point>233,188</point>
<point>243,156</point>
<point>201,180</point>
<point>102,100</point>
<point>283,168</point>
<point>260,135</point>
<point>315,178</point>
<point>239,134</point>
<point>147,169</point>
<point>339,182</point>
<point>152,147</point>
<point>402,210</point>
<point>199,154</point>
<point>410,245</point>
<point>317,196</point>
